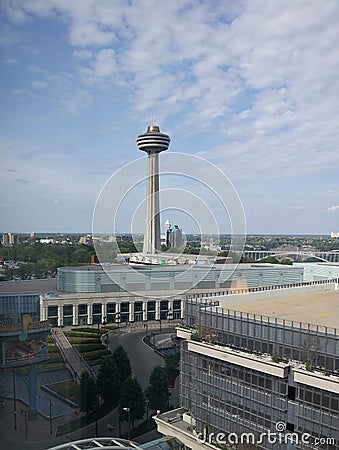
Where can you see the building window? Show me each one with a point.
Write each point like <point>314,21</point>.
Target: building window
<point>291,393</point>
<point>150,310</point>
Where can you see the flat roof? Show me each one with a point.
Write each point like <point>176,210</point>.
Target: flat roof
<point>175,267</point>
<point>319,308</point>
<point>28,286</point>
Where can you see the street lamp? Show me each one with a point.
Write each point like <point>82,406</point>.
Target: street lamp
<point>25,412</point>
<point>128,409</point>
<point>96,415</point>
<point>147,405</point>
<point>50,418</point>
<point>14,401</point>
<point>160,325</point>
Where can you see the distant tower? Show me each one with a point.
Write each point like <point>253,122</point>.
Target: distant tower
<point>152,142</point>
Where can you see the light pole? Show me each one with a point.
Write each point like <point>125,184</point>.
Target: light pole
<point>147,405</point>
<point>50,418</point>
<point>25,412</point>
<point>96,415</point>
<point>14,401</point>
<point>128,409</point>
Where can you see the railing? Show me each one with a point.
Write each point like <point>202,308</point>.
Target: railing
<point>219,292</point>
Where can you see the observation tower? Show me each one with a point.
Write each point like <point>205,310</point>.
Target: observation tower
<point>152,142</point>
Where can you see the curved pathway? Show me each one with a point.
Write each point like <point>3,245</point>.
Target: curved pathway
<point>143,358</point>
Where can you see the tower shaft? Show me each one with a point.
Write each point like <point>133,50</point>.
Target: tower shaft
<point>152,226</point>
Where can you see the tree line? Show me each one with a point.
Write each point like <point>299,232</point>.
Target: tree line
<point>116,386</point>
<point>42,260</point>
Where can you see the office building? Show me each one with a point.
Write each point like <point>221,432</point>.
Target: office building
<point>257,365</point>
<point>9,239</point>
<point>174,238</point>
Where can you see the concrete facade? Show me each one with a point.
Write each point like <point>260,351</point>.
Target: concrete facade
<point>244,372</point>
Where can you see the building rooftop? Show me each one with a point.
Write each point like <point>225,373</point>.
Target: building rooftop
<point>28,286</point>
<point>319,308</point>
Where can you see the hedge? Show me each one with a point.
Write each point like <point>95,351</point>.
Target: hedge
<point>94,356</point>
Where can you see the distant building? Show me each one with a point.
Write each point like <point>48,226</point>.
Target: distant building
<point>86,240</point>
<point>174,237</point>
<point>47,241</point>
<point>9,239</point>
<point>334,234</point>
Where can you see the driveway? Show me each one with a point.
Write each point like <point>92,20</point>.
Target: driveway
<point>143,359</point>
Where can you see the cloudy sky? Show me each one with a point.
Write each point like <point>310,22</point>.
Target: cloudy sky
<point>252,86</point>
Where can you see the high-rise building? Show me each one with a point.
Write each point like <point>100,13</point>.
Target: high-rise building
<point>9,239</point>
<point>152,142</point>
<point>174,237</point>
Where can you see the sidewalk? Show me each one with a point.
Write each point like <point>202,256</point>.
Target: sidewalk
<point>29,434</point>
<point>35,434</point>
<point>73,361</point>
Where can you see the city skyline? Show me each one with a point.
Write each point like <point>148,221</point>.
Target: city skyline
<point>252,88</point>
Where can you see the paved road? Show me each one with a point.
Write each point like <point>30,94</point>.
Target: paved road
<point>143,359</point>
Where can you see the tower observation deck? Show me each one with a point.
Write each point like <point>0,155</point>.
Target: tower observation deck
<point>152,142</point>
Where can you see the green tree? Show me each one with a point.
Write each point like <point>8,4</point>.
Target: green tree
<point>81,256</point>
<point>88,393</point>
<point>172,368</point>
<point>123,363</point>
<point>108,381</point>
<point>157,392</point>
<point>133,398</point>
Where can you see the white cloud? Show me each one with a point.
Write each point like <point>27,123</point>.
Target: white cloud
<point>73,102</point>
<point>333,208</point>
<point>258,82</point>
<point>104,64</point>
<point>39,84</point>
<point>10,61</point>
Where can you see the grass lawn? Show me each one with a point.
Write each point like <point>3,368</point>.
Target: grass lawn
<point>68,389</point>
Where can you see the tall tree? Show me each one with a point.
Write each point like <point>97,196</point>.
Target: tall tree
<point>122,362</point>
<point>109,381</point>
<point>133,399</point>
<point>172,368</point>
<point>88,393</point>
<point>157,392</point>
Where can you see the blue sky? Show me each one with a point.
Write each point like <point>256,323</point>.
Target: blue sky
<point>251,86</point>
